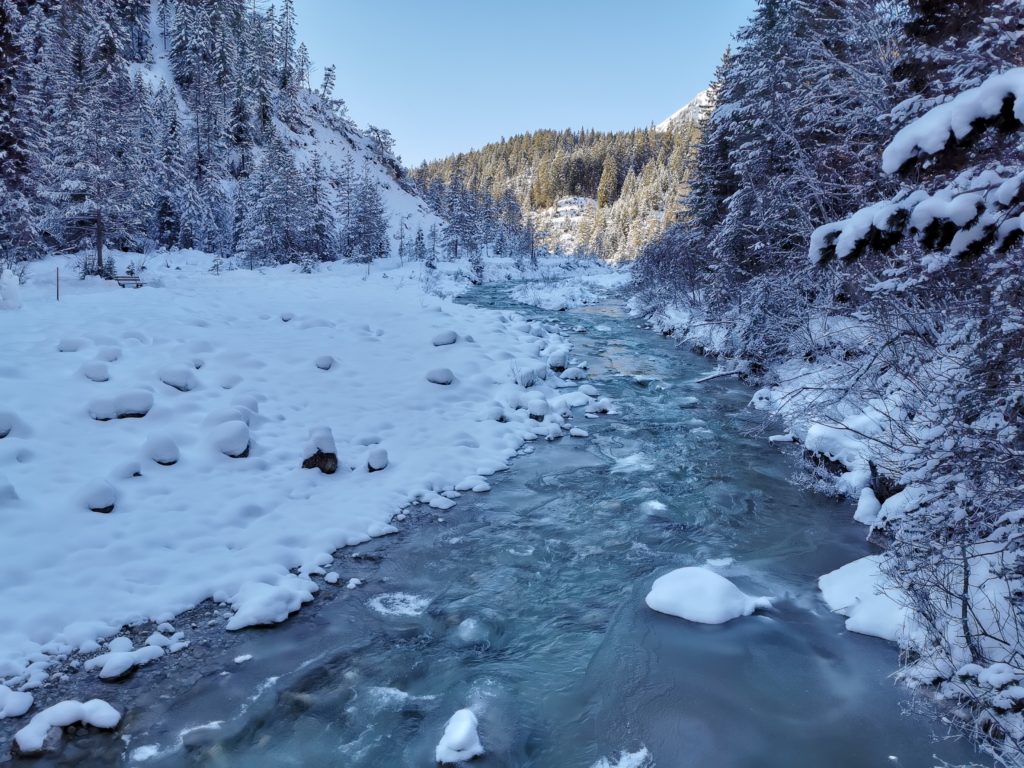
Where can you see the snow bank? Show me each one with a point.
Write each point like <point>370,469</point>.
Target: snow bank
<point>241,531</point>
<point>874,606</point>
<point>14,703</point>
<point>10,292</point>
<point>460,740</point>
<point>697,594</point>
<point>97,713</point>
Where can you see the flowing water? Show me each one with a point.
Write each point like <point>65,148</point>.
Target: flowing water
<point>527,604</point>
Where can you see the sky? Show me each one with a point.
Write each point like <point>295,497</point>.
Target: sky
<point>445,76</point>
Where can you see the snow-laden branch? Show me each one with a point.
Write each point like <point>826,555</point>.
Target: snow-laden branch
<point>930,133</point>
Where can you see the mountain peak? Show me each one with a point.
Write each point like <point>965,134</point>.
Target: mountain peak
<point>690,112</point>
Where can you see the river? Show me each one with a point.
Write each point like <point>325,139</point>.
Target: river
<point>527,604</point>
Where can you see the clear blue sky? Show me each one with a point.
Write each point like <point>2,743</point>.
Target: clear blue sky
<point>449,75</point>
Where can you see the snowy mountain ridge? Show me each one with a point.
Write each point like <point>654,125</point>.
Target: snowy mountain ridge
<point>688,113</point>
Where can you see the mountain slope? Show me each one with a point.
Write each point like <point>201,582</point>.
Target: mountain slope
<point>688,114</point>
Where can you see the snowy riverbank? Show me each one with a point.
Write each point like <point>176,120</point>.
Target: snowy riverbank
<point>189,406</point>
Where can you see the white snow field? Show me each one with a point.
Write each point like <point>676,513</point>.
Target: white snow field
<point>703,596</point>
<point>177,476</point>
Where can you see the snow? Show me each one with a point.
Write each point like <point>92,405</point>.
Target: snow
<point>444,338</point>
<point>10,292</point>
<point>860,591</point>
<point>118,663</point>
<point>460,740</point>
<point>14,703</point>
<point>700,595</point>
<point>639,759</point>
<point>688,113</point>
<point>929,134</point>
<point>590,287</point>
<point>94,712</point>
<point>443,376</point>
<point>248,532</point>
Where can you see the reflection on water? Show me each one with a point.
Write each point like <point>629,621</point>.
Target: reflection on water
<point>526,604</point>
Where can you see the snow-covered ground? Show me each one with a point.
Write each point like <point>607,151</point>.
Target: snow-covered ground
<point>155,441</point>
<point>575,291</point>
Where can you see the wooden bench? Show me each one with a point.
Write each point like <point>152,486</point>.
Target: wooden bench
<point>131,280</point>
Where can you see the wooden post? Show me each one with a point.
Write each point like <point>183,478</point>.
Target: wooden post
<point>58,283</point>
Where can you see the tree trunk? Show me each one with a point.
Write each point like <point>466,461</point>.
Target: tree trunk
<point>99,243</point>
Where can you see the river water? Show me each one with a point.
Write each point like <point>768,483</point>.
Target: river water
<point>527,604</point>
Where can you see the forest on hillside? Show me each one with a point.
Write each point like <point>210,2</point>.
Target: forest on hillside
<point>635,178</point>
<point>852,241</point>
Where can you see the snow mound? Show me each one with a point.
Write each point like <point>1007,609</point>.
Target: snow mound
<point>460,740</point>
<point>231,438</point>
<point>14,703</point>
<point>10,294</point>
<point>97,713</point>
<point>697,594</point>
<point>162,450</point>
<point>860,591</point>
<point>118,663</point>
<point>443,376</point>
<point>96,371</point>
<point>178,377</point>
<point>100,497</point>
<point>257,604</point>
<point>445,338</point>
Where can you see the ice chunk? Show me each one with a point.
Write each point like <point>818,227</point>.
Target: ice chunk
<point>460,741</point>
<point>697,594</point>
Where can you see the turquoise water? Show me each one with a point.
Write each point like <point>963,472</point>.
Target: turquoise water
<point>527,605</point>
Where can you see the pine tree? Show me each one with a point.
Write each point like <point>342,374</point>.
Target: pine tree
<point>609,184</point>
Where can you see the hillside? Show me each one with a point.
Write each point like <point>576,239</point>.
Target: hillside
<point>182,124</point>
<point>586,192</point>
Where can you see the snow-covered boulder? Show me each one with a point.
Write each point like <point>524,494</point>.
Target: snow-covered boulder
<point>321,452</point>
<point>874,606</point>
<point>70,344</point>
<point>574,374</point>
<point>558,359</point>
<point>231,438</point>
<point>377,460</point>
<point>538,409</point>
<point>703,596</point>
<point>163,450</point>
<point>108,354</point>
<point>443,376</point>
<point>14,703</point>
<point>6,424</point>
<point>588,389</point>
<point>100,497</point>
<point>445,338</point>
<point>129,405</point>
<point>178,377</point>
<point>324,362</point>
<point>42,732</point>
<point>10,294</point>
<point>96,371</point>
<point>460,740</point>
<point>119,664</point>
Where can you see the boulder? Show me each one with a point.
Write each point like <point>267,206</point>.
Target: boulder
<point>443,376</point>
<point>321,452</point>
<point>377,460</point>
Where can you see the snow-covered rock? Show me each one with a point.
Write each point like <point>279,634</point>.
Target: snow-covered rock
<point>178,377</point>
<point>325,362</point>
<point>460,741</point>
<point>860,591</point>
<point>6,424</point>
<point>444,339</point>
<point>120,663</point>
<point>377,460</point>
<point>14,703</point>
<point>443,376</point>
<point>33,738</point>
<point>100,497</point>
<point>697,594</point>
<point>259,604</point>
<point>231,438</point>
<point>96,371</point>
<point>162,449</point>
<point>71,344</point>
<point>321,452</point>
